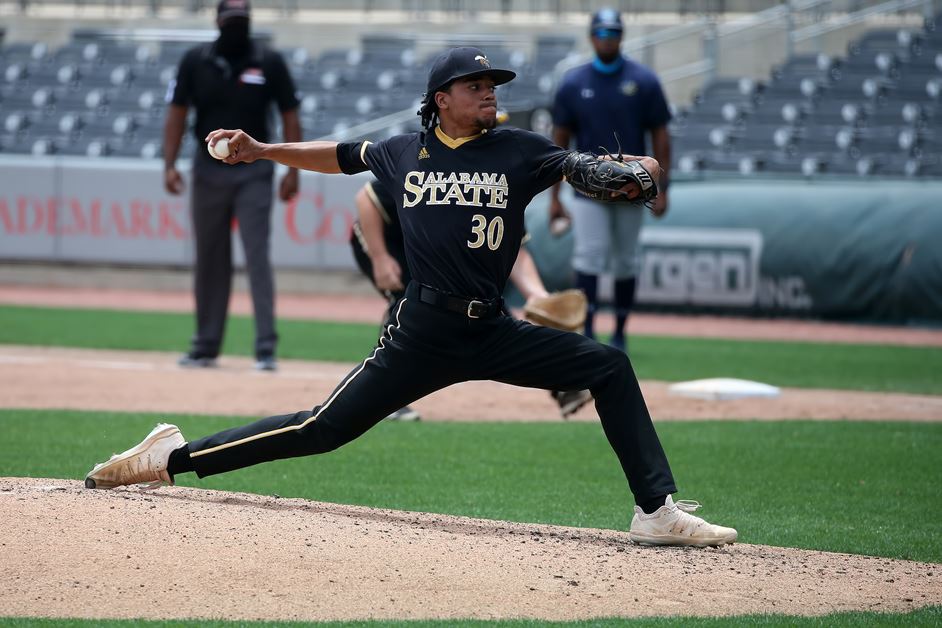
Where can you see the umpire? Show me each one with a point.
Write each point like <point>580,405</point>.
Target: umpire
<point>232,83</point>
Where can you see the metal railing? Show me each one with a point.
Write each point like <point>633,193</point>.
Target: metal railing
<point>425,7</point>
<point>709,39</point>
<point>371,127</point>
<point>857,17</point>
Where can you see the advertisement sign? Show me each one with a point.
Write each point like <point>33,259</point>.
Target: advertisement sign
<point>117,211</point>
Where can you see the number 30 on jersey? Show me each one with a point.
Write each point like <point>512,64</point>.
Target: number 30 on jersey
<point>492,232</point>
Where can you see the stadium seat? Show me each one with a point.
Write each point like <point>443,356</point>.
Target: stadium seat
<point>170,52</point>
<point>928,62</point>
<point>18,121</point>
<point>720,111</point>
<point>695,136</point>
<point>78,53</point>
<point>837,111</point>
<point>689,162</point>
<point>816,66</point>
<point>147,101</point>
<point>26,52</point>
<point>890,114</point>
<point>154,77</point>
<point>824,139</point>
<point>27,98</point>
<point>15,73</point>
<point>72,123</point>
<point>718,161</point>
<point>47,145</point>
<point>767,139</point>
<point>898,42</point>
<point>915,87</point>
<point>882,140</point>
<point>730,90</point>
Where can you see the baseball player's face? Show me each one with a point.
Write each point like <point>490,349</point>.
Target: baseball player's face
<point>471,102</point>
<point>606,45</point>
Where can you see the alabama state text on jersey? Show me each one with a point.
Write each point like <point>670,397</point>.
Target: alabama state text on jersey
<point>476,189</point>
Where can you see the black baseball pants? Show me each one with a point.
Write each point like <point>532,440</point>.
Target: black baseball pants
<point>423,349</point>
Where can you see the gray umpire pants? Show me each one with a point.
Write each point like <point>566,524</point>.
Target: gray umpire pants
<point>219,194</point>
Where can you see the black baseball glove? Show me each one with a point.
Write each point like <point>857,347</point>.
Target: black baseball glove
<point>599,178</point>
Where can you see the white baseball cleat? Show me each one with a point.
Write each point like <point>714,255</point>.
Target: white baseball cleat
<point>672,524</point>
<point>405,413</point>
<point>145,463</point>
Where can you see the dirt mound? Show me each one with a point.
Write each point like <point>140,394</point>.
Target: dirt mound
<point>188,553</point>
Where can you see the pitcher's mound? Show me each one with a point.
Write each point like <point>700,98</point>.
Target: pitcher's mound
<point>186,553</point>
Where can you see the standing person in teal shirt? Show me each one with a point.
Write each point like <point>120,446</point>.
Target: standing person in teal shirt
<point>612,102</point>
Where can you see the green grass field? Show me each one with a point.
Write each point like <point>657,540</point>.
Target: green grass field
<point>807,365</point>
<point>821,485</point>
<point>928,617</point>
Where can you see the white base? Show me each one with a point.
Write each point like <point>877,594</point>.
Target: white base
<point>719,388</point>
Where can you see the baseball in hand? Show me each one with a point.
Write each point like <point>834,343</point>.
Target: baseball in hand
<point>559,226</point>
<point>220,150</point>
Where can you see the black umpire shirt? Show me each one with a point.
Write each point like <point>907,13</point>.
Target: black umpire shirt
<point>233,94</point>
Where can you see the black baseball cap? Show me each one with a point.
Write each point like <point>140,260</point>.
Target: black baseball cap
<point>606,20</point>
<point>232,8</point>
<point>464,62</point>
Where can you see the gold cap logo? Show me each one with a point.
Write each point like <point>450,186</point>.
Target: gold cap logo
<point>483,61</point>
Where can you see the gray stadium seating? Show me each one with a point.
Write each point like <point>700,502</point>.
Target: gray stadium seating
<point>877,110</point>
<point>874,112</point>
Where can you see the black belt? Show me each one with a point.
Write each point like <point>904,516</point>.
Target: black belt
<point>472,308</point>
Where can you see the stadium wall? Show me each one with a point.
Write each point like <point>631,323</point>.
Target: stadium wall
<point>844,249</point>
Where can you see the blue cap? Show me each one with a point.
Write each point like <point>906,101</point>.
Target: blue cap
<point>606,20</point>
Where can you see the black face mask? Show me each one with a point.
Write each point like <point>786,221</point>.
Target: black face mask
<point>233,39</point>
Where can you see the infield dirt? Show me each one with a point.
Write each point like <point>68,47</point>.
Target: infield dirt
<point>188,553</point>
<point>127,381</point>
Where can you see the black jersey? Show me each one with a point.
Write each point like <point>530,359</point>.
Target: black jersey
<point>461,202</point>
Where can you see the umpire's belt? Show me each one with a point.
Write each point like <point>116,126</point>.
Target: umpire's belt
<point>472,308</point>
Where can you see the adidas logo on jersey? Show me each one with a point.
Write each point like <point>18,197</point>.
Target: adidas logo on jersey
<point>423,154</point>
<point>475,189</point>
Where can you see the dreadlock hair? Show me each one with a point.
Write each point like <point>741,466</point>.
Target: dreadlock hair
<point>429,113</point>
